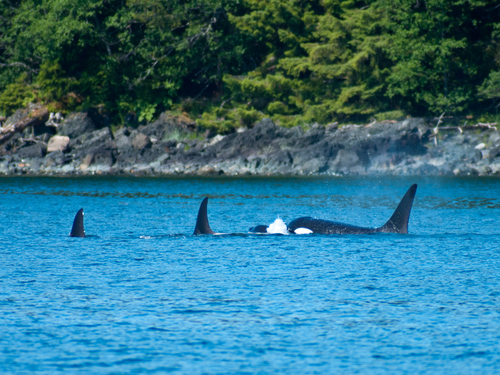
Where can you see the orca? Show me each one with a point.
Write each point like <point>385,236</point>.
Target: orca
<point>77,230</point>
<point>277,227</point>
<point>202,225</point>
<point>259,229</point>
<point>398,223</point>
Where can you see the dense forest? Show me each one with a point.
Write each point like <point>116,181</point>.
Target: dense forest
<point>229,63</point>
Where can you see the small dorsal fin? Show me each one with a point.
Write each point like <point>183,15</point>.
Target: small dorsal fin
<point>202,225</point>
<point>78,230</point>
<point>398,223</point>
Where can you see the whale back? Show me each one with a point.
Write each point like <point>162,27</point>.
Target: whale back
<point>258,229</point>
<point>77,230</point>
<point>202,225</point>
<point>326,227</point>
<point>398,223</point>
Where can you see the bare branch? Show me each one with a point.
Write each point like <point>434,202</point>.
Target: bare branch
<point>225,101</point>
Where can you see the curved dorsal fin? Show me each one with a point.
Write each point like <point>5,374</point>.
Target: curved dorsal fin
<point>78,230</point>
<point>202,225</point>
<point>398,223</point>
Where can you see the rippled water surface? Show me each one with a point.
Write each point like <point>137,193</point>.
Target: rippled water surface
<point>142,295</point>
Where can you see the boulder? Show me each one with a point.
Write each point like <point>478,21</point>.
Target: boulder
<point>36,150</point>
<point>91,140</point>
<point>87,161</point>
<point>96,148</point>
<point>56,158</point>
<point>104,155</point>
<point>141,141</point>
<point>58,143</point>
<point>122,139</point>
<point>314,166</point>
<point>344,160</point>
<point>207,171</point>
<point>76,125</point>
<point>168,128</point>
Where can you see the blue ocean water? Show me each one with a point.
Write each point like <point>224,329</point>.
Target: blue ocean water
<point>140,294</point>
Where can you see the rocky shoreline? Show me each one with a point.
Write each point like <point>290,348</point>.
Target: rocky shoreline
<point>84,144</point>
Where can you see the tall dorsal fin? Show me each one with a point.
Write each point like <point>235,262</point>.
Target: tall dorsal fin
<point>78,230</point>
<point>398,223</point>
<point>202,225</point>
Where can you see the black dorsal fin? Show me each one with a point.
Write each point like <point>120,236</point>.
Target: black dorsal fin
<point>78,230</point>
<point>398,223</point>
<point>202,225</point>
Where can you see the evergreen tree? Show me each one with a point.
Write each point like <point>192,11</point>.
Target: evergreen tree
<point>229,63</point>
<point>442,51</point>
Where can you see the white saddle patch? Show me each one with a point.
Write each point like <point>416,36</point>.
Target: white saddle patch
<point>278,226</point>
<point>302,231</point>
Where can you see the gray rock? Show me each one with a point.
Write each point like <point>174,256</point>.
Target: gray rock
<point>95,149</point>
<point>167,128</point>
<point>75,125</point>
<point>123,143</point>
<point>168,146</point>
<point>314,166</point>
<point>344,160</point>
<point>92,140</point>
<point>56,158</point>
<point>36,150</point>
<point>493,151</point>
<point>141,142</point>
<point>104,156</point>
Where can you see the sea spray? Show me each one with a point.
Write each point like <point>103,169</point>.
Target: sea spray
<point>278,226</point>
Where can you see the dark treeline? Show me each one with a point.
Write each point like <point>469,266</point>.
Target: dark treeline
<point>228,63</point>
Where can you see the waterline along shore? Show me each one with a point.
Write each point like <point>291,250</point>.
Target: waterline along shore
<point>83,144</point>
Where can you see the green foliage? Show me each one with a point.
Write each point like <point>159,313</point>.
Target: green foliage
<point>16,95</point>
<point>218,125</point>
<point>147,113</point>
<point>223,121</point>
<point>320,67</point>
<point>442,50</point>
<point>229,63</point>
<point>247,117</point>
<point>127,56</point>
<point>53,82</point>
<point>490,89</point>
<point>391,115</point>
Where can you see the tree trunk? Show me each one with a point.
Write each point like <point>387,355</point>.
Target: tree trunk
<point>37,117</point>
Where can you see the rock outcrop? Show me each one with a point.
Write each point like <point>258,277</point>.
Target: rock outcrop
<point>84,144</point>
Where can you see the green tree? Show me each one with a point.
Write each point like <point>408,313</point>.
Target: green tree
<point>137,55</point>
<point>321,61</point>
<point>231,62</point>
<point>442,52</point>
<point>343,77</point>
<point>490,89</point>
